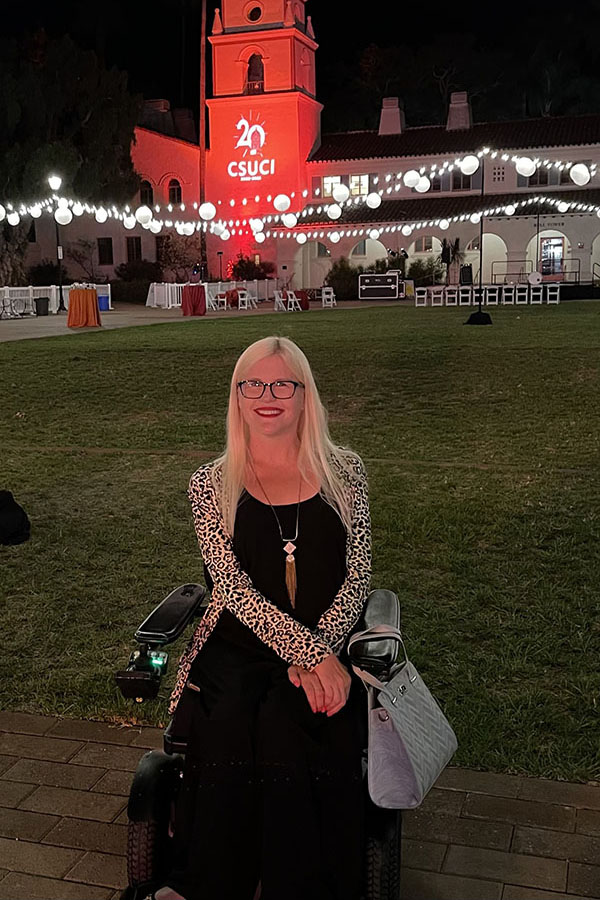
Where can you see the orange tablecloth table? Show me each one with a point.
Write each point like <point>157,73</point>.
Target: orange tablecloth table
<point>83,308</point>
<point>193,300</point>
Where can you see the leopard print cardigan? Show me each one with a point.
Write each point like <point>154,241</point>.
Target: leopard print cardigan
<point>233,590</point>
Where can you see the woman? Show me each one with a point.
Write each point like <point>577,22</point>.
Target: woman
<point>272,788</point>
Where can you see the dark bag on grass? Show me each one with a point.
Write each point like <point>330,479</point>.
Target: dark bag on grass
<point>15,527</point>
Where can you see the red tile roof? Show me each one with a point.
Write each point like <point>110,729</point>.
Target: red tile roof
<point>434,139</point>
<point>435,207</point>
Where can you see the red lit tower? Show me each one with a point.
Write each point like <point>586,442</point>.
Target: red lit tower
<point>264,119</point>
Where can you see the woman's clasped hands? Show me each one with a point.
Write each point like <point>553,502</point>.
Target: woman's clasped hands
<point>326,687</point>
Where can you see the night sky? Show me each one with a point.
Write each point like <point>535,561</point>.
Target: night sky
<point>145,37</point>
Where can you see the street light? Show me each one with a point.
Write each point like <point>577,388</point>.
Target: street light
<point>55,182</point>
<point>220,255</point>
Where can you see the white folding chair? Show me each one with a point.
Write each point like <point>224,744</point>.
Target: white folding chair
<point>293,304</point>
<point>421,296</point>
<point>243,300</point>
<point>451,296</point>
<point>552,293</point>
<point>252,300</point>
<point>279,302</point>
<point>508,294</point>
<point>536,293</point>
<point>211,301</point>
<point>492,292</point>
<point>328,297</point>
<point>437,296</point>
<point>464,295</point>
<point>478,293</point>
<point>522,295</point>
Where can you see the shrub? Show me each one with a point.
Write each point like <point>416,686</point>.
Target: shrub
<point>139,270</point>
<point>129,291</point>
<point>46,273</point>
<point>343,278</point>
<point>245,269</point>
<point>426,271</point>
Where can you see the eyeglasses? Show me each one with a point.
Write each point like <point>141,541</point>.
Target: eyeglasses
<point>281,390</point>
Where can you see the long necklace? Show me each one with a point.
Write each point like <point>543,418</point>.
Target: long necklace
<point>289,546</point>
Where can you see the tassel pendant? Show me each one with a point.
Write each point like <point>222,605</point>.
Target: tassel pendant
<point>290,572</point>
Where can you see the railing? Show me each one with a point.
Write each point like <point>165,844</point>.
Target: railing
<point>254,87</point>
<point>23,298</point>
<point>570,271</point>
<point>596,272</point>
<point>167,295</point>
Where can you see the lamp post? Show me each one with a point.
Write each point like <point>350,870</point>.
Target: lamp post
<point>55,182</point>
<point>220,255</point>
<point>480,317</point>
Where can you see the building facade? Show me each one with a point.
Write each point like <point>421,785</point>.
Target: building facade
<point>265,143</point>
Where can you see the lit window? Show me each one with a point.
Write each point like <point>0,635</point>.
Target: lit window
<point>498,173</point>
<point>257,259</point>
<point>359,184</point>
<point>174,191</point>
<point>424,244</point>
<point>322,250</point>
<point>146,194</point>
<point>329,182</point>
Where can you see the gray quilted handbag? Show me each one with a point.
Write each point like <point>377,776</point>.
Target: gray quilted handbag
<point>410,739</point>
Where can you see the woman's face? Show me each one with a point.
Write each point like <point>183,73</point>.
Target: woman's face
<point>268,416</point>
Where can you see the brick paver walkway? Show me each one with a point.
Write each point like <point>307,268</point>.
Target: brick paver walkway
<point>478,836</point>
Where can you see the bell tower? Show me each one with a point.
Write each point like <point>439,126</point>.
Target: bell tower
<point>264,119</point>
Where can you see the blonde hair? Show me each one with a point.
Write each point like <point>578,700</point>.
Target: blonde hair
<point>317,454</point>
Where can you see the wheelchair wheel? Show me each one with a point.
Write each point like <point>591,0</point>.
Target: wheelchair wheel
<point>384,835</point>
<point>150,812</point>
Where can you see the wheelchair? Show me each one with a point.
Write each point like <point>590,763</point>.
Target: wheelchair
<point>151,805</point>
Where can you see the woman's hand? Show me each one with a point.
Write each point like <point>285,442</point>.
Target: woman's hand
<point>327,687</point>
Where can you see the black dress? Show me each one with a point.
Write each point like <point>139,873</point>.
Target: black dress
<point>272,791</point>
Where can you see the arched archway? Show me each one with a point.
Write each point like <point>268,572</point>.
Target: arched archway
<point>367,251</point>
<point>312,262</point>
<point>494,258</point>
<point>595,258</point>
<point>255,75</point>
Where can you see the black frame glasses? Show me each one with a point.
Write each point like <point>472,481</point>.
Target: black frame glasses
<point>271,386</point>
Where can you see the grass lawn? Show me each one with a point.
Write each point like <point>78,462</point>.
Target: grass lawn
<point>482,450</point>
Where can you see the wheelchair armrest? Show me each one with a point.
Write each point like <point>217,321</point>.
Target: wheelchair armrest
<point>167,621</point>
<point>381,608</point>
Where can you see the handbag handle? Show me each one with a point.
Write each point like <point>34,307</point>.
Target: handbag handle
<point>376,632</point>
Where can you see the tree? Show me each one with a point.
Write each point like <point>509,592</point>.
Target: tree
<point>60,111</point>
<point>245,269</point>
<point>84,253</point>
<point>178,254</point>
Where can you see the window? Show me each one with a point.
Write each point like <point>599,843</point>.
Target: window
<point>436,183</point>
<point>539,177</point>
<point>174,191</point>
<point>134,249</point>
<point>424,244</point>
<point>322,250</point>
<point>146,194</point>
<point>474,244</point>
<point>461,182</point>
<point>329,183</point>
<point>255,77</point>
<point>254,13</point>
<point>498,173</point>
<point>359,184</point>
<point>257,259</point>
<point>105,252</point>
<point>360,249</point>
